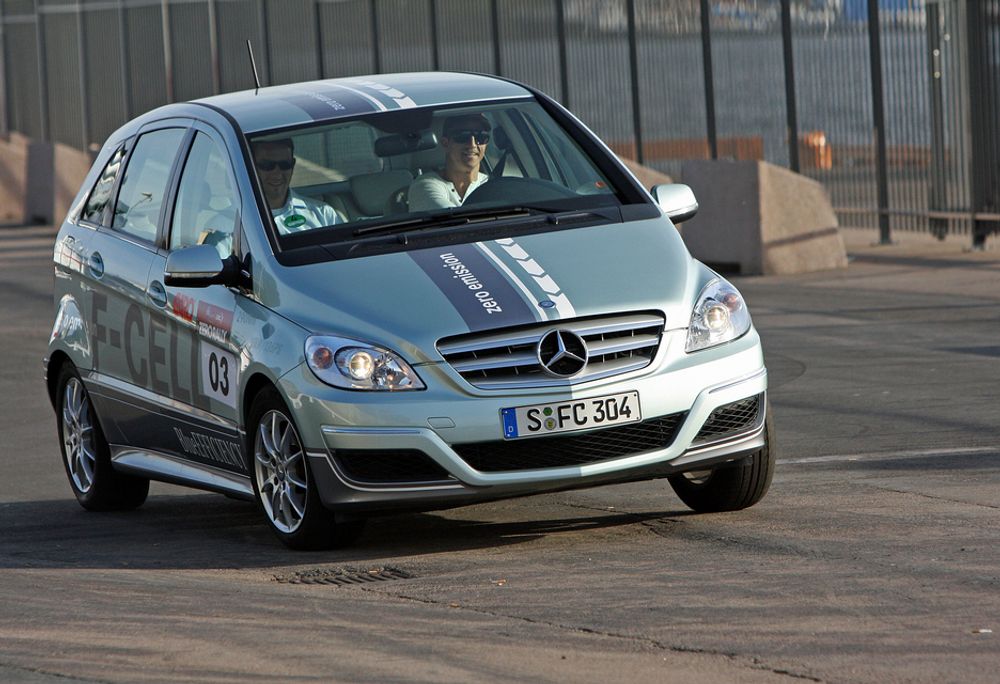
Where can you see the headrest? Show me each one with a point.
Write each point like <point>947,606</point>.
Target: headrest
<point>371,190</point>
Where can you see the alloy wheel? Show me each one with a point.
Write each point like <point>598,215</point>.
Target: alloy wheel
<point>78,435</point>
<point>280,470</point>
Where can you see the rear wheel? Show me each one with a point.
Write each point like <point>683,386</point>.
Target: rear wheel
<point>86,457</point>
<point>729,487</point>
<point>284,486</point>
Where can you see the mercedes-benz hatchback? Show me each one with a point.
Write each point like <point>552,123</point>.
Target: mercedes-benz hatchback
<point>409,291</point>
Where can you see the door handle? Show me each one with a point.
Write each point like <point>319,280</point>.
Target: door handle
<point>157,293</point>
<point>96,264</point>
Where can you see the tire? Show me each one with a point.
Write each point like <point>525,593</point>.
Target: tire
<point>729,487</point>
<point>86,457</point>
<point>283,484</point>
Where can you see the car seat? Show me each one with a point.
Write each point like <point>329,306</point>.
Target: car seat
<point>372,192</point>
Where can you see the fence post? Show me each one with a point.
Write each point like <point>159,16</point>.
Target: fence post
<point>168,49</point>
<point>213,47</point>
<point>43,87</point>
<point>563,63</point>
<point>706,59</point>
<point>123,55</point>
<point>495,25</point>
<point>435,40</point>
<point>375,37</point>
<point>320,65</point>
<point>4,104</point>
<point>878,115</point>
<point>81,48</point>
<point>790,107</point>
<point>633,64</point>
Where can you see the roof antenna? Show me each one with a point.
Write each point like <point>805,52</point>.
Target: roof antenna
<point>253,65</point>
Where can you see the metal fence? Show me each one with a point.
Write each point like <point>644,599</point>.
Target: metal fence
<point>892,104</point>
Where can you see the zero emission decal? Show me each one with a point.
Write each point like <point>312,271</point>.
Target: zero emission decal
<point>480,293</point>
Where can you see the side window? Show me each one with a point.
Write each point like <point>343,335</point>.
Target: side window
<point>100,196</point>
<point>206,209</point>
<point>145,182</point>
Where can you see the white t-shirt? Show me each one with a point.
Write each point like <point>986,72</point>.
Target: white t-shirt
<point>431,191</point>
<point>303,213</point>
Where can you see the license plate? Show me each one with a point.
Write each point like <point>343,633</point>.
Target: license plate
<point>566,416</point>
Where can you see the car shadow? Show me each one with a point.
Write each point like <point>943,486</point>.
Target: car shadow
<point>205,531</point>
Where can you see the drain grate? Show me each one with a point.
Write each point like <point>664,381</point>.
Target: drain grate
<point>340,577</point>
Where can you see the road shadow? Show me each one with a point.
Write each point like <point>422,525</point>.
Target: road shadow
<point>206,531</point>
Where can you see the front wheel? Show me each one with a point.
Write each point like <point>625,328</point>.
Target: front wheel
<point>729,487</point>
<point>283,485</point>
<point>86,456</point>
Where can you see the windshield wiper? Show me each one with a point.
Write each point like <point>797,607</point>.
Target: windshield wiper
<point>455,218</point>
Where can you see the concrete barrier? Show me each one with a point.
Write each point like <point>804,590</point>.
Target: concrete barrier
<point>757,218</point>
<point>38,180</point>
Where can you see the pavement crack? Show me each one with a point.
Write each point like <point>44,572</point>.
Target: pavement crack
<point>47,673</point>
<point>883,488</point>
<point>755,662</point>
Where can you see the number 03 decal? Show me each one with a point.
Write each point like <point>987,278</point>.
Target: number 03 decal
<point>219,374</point>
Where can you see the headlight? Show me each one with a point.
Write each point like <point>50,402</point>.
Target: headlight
<point>719,316</point>
<point>356,365</point>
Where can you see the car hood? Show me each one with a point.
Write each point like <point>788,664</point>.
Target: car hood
<point>409,300</point>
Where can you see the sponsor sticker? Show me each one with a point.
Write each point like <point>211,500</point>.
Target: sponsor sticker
<point>294,221</point>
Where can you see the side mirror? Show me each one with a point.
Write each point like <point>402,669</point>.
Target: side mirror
<point>198,266</point>
<point>677,201</point>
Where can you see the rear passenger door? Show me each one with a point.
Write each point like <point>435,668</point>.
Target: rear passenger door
<point>131,377</point>
<point>201,419</point>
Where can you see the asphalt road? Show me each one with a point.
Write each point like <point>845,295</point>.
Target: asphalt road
<point>874,558</point>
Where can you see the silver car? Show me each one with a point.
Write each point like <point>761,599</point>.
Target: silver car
<point>399,292</point>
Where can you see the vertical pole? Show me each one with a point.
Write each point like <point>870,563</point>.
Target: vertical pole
<point>265,40</point>
<point>213,46</point>
<point>878,113</point>
<point>5,103</point>
<point>633,63</point>
<point>43,89</point>
<point>435,40</point>
<point>563,61</point>
<point>81,46</point>
<point>168,49</point>
<point>706,58</point>
<point>377,58</point>
<point>981,120</point>
<point>321,66</point>
<point>124,57</point>
<point>790,108</point>
<point>937,193</point>
<point>495,25</point>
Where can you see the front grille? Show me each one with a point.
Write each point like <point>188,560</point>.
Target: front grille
<point>385,466</point>
<point>508,358</point>
<point>730,419</point>
<point>575,449</point>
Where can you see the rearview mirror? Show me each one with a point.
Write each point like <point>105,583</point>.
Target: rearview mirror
<point>197,266</point>
<point>676,200</point>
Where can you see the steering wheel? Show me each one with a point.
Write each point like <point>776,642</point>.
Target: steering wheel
<point>518,191</point>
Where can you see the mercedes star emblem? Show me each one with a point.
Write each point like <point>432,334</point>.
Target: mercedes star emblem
<point>562,353</point>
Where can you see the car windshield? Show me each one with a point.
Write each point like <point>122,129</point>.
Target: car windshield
<point>413,167</point>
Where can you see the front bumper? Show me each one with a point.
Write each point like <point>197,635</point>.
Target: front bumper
<point>380,428</point>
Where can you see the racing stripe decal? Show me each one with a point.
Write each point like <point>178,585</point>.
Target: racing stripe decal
<point>325,103</point>
<point>546,287</point>
<point>396,97</point>
<point>480,293</point>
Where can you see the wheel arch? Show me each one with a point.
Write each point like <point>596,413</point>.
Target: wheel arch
<point>53,368</point>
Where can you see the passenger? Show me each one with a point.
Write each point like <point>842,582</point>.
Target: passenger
<point>464,140</point>
<point>275,160</point>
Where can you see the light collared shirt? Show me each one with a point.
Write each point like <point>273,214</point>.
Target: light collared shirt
<point>431,191</point>
<point>304,213</point>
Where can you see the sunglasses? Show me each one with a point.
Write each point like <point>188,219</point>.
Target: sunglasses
<point>463,137</point>
<point>271,165</point>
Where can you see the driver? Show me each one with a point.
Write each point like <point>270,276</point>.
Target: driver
<point>464,141</point>
<point>275,160</point>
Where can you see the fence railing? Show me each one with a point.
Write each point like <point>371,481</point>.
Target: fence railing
<point>892,104</point>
